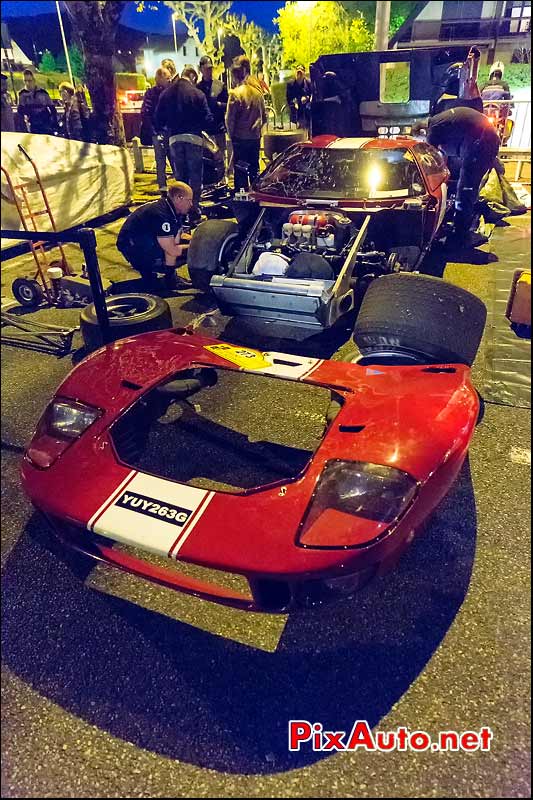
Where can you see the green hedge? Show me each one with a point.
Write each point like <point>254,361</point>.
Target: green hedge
<point>516,75</point>
<point>51,80</point>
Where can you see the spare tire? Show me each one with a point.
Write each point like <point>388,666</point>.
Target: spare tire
<point>210,249</point>
<point>420,315</point>
<point>276,141</point>
<point>129,314</point>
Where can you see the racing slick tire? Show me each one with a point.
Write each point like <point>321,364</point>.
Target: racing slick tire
<point>275,142</point>
<point>209,250</point>
<point>422,316</point>
<point>129,314</point>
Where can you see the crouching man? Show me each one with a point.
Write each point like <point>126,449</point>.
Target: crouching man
<point>152,239</point>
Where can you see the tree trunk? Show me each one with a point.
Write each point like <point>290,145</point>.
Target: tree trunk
<point>95,24</point>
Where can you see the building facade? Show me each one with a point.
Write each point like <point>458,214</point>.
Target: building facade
<point>503,28</point>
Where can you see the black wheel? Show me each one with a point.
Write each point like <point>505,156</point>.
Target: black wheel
<point>28,292</point>
<point>129,314</point>
<point>277,141</point>
<point>420,315</point>
<point>212,245</point>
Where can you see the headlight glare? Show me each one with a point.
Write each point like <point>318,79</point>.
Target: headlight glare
<point>69,419</point>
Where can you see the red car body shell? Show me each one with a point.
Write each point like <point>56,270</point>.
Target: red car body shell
<point>413,418</point>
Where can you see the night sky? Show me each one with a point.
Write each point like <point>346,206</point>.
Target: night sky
<point>151,21</point>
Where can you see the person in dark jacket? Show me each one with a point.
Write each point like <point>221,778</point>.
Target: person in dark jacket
<point>471,145</point>
<point>149,133</point>
<point>152,238</point>
<point>36,108</point>
<point>8,118</point>
<point>72,127</point>
<point>299,98</point>
<point>217,100</point>
<point>183,111</point>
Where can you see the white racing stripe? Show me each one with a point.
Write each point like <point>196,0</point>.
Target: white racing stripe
<point>289,366</point>
<point>349,143</point>
<point>151,513</point>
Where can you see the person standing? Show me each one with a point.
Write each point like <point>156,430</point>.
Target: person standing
<point>168,64</point>
<point>299,98</point>
<point>72,126</point>
<point>149,133</point>
<point>35,107</point>
<point>8,118</point>
<point>245,118</point>
<point>183,110</point>
<point>151,239</point>
<point>471,145</point>
<point>217,100</point>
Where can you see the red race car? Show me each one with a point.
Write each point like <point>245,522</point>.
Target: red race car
<point>329,483</point>
<point>323,220</point>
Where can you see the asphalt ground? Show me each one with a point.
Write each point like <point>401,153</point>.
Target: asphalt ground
<point>112,687</point>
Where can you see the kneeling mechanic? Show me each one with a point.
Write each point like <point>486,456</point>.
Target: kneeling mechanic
<point>152,237</point>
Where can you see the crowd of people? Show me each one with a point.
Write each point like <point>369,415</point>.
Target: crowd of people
<point>38,114</point>
<point>179,109</point>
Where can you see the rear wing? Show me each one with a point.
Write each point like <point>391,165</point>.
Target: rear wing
<point>354,94</point>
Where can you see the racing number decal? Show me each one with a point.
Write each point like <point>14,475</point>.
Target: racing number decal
<point>278,364</point>
<point>247,359</point>
<point>152,513</point>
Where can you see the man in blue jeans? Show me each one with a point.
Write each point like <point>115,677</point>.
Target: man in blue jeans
<point>184,112</point>
<point>149,133</point>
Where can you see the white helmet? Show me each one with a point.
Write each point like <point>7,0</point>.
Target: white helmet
<point>498,66</point>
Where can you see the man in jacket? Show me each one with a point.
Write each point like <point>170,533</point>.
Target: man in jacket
<point>217,100</point>
<point>299,98</point>
<point>72,126</point>
<point>8,118</point>
<point>245,118</point>
<point>36,108</point>
<point>183,111</point>
<point>149,133</point>
<point>151,238</point>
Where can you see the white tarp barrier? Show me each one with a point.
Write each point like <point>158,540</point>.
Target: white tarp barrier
<point>82,181</point>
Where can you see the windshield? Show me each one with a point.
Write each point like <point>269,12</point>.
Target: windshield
<point>305,172</point>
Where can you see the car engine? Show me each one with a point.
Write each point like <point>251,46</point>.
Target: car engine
<point>303,244</point>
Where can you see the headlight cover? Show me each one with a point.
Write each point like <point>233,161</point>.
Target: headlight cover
<point>68,419</point>
<point>355,501</point>
<point>62,423</point>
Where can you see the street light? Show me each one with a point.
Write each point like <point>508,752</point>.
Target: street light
<point>307,6</point>
<point>64,43</point>
<point>174,18</point>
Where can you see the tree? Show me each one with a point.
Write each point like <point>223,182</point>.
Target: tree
<point>400,10</point>
<point>77,62</point>
<point>48,62</point>
<point>210,16</point>
<point>325,28</point>
<point>95,25</point>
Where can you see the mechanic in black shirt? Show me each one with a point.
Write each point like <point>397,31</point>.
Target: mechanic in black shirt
<point>471,145</point>
<point>151,237</point>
